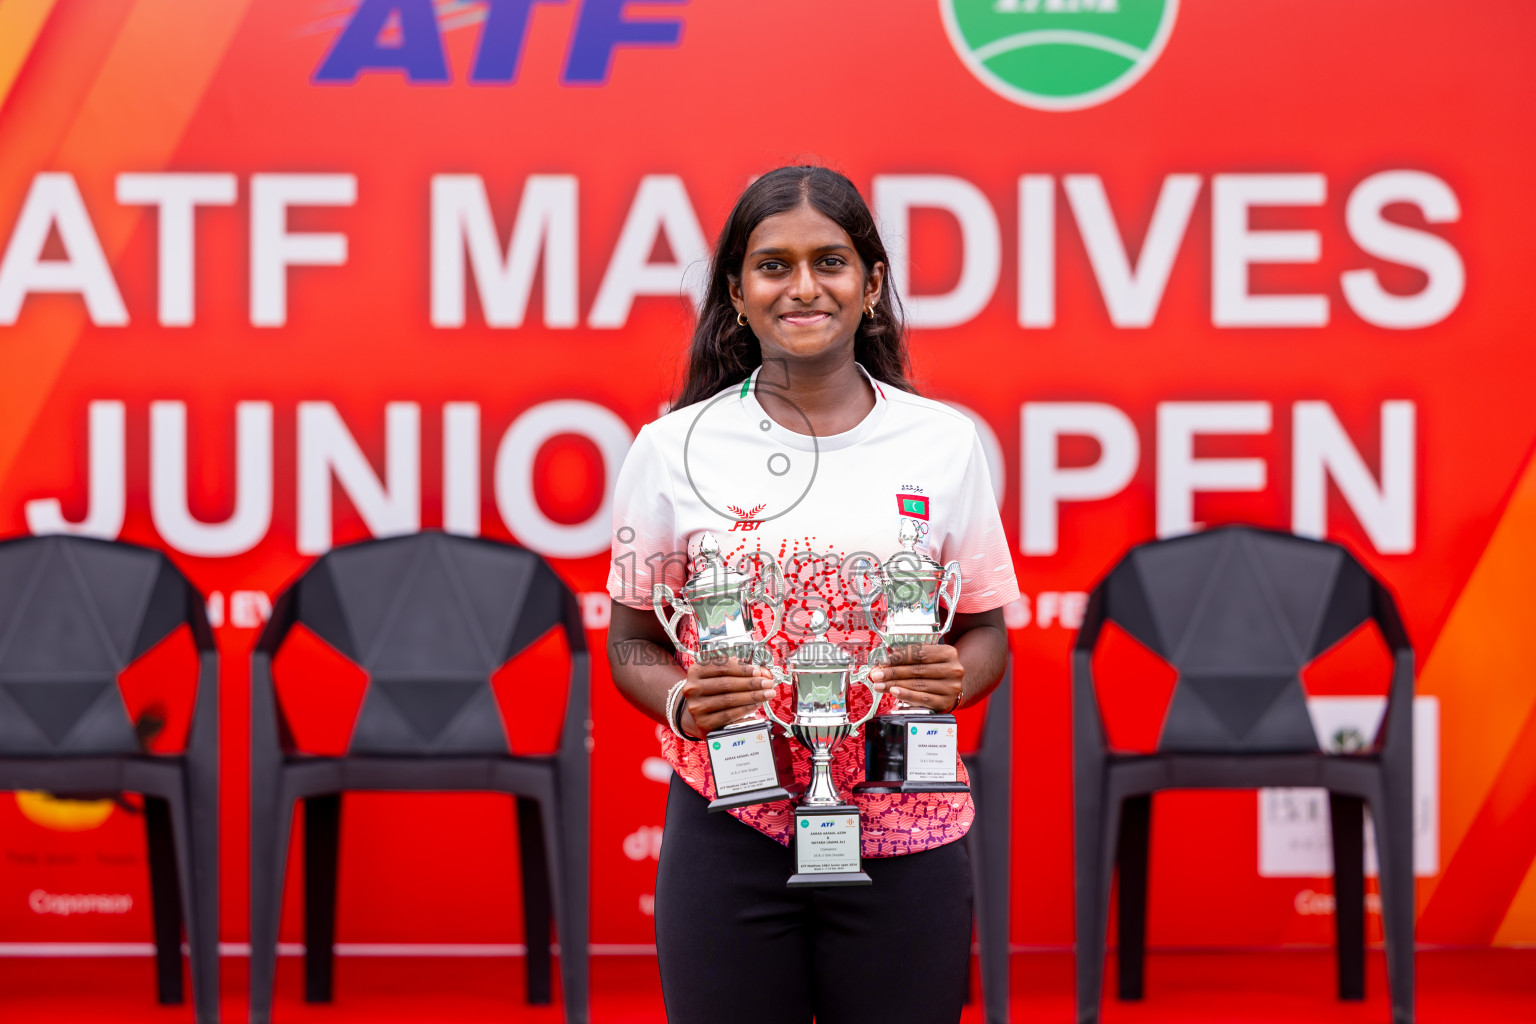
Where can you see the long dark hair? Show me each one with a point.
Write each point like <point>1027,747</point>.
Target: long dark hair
<point>724,352</point>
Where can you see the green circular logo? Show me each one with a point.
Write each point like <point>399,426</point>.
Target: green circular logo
<point>717,744</point>
<point>805,822</point>
<point>914,730</point>
<point>1059,54</point>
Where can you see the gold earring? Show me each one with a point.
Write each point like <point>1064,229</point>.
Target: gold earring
<point>741,319</point>
<point>870,311</point>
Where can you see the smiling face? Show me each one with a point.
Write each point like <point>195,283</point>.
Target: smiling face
<point>803,287</point>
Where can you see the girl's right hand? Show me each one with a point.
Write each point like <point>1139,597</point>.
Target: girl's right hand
<point>719,693</point>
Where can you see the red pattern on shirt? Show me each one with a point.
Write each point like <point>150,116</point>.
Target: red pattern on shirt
<point>892,824</point>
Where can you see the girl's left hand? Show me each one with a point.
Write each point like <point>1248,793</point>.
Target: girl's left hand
<point>928,675</point>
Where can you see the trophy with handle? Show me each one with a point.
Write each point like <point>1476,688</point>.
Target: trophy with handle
<point>827,829</point>
<point>912,749</point>
<point>748,765</point>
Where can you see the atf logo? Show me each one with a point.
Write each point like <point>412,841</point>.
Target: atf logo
<point>406,37</point>
<point>1059,54</point>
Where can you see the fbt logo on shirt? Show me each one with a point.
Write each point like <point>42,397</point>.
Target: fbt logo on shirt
<point>744,520</point>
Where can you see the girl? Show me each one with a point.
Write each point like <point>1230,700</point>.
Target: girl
<point>798,434</point>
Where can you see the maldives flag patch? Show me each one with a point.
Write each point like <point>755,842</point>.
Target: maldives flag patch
<point>914,505</point>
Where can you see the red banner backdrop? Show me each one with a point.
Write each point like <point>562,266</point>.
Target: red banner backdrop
<point>284,275</point>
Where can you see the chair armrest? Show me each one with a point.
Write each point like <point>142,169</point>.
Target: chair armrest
<point>1087,724</point>
<point>997,730</point>
<point>1088,736</point>
<point>269,731</point>
<point>1397,726</point>
<point>576,729</point>
<point>203,735</point>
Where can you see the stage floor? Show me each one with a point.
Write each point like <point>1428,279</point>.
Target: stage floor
<point>1486,987</point>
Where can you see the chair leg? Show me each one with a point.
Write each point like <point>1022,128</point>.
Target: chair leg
<point>973,842</point>
<point>970,968</point>
<point>1096,822</point>
<point>1393,817</point>
<point>1347,820</point>
<point>322,852</point>
<point>987,844</point>
<point>972,846</point>
<point>271,822</point>
<point>537,907</point>
<point>567,843</point>
<point>1132,856</point>
<point>203,935</point>
<point>194,830</point>
<point>165,900</point>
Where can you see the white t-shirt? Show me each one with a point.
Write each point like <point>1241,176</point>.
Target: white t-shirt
<point>725,466</point>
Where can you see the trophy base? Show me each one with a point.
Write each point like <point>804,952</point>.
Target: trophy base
<point>828,881</point>
<point>756,796</point>
<point>827,848</point>
<point>906,786</point>
<point>912,752</point>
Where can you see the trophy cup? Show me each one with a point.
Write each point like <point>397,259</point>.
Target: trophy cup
<point>827,832</point>
<point>748,766</point>
<point>912,749</point>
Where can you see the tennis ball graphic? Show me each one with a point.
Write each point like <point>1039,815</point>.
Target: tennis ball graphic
<point>63,815</point>
<point>1059,54</point>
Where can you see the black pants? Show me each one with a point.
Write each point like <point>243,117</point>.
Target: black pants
<point>734,944</point>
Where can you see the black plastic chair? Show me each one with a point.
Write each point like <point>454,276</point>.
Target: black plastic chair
<point>429,617</point>
<point>990,766</point>
<point>74,612</point>
<point>1239,612</point>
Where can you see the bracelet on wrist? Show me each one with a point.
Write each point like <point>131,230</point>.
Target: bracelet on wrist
<point>674,710</point>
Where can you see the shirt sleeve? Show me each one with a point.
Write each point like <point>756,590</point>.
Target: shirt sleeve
<point>974,537</point>
<point>647,548</point>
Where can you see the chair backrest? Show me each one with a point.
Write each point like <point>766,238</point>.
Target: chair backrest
<point>74,612</point>
<point>1238,612</point>
<point>429,617</point>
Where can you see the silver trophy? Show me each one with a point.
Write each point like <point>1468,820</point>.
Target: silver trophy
<point>748,766</point>
<point>827,831</point>
<point>912,749</point>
